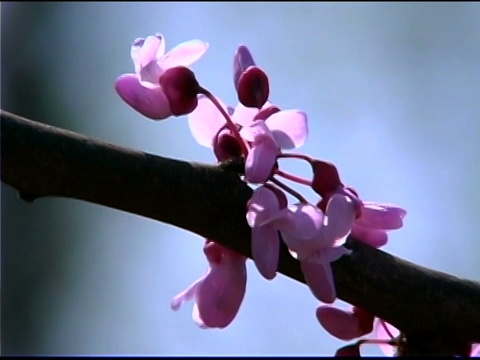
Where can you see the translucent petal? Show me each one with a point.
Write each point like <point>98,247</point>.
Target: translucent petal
<point>186,295</point>
<point>262,207</point>
<point>289,127</point>
<point>374,238</point>
<point>266,250</point>
<point>161,46</point>
<point>149,50</point>
<point>260,161</point>
<point>319,279</point>
<point>151,103</point>
<point>183,54</point>
<point>340,215</point>
<point>381,217</point>
<point>205,121</point>
<point>220,295</point>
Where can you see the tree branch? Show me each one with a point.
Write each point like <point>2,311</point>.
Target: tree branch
<point>40,160</point>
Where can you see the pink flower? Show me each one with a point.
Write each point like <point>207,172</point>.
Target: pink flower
<point>219,294</point>
<point>263,208</point>
<point>345,325</point>
<point>142,90</point>
<point>316,240</point>
<point>286,129</point>
<point>371,227</point>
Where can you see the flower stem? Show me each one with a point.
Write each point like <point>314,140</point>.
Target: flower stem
<point>296,156</point>
<point>289,190</point>
<point>292,177</point>
<point>233,128</point>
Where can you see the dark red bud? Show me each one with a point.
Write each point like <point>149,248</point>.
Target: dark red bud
<point>253,87</point>
<point>349,350</point>
<point>226,146</point>
<point>181,88</point>
<point>266,113</point>
<point>325,178</point>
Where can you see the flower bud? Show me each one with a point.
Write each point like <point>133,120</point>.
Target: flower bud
<point>325,178</point>
<point>181,88</point>
<point>226,146</point>
<point>253,87</point>
<point>241,61</point>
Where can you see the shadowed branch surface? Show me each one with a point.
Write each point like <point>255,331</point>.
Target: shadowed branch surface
<point>41,161</point>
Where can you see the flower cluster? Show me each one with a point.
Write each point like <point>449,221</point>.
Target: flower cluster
<point>259,132</point>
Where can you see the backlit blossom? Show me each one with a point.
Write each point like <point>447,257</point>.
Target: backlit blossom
<point>317,240</point>
<point>219,294</point>
<point>142,90</point>
<point>263,208</point>
<point>371,227</point>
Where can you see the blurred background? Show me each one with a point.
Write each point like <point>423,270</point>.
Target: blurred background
<point>392,94</point>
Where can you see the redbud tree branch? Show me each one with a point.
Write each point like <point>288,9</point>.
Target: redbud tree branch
<point>40,160</point>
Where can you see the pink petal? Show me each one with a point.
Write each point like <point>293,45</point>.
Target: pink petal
<point>344,325</point>
<point>220,295</point>
<point>257,132</point>
<point>260,161</point>
<point>475,351</point>
<point>184,54</point>
<point>340,215</point>
<point>151,103</point>
<point>135,52</point>
<point>205,121</point>
<point>244,115</point>
<point>300,223</point>
<point>161,46</point>
<point>149,50</point>
<point>186,295</point>
<point>266,250</point>
<point>374,238</point>
<point>381,217</point>
<point>382,334</point>
<point>197,319</point>
<point>319,279</point>
<point>150,75</point>
<point>262,207</point>
<point>289,127</point>
<point>241,61</point>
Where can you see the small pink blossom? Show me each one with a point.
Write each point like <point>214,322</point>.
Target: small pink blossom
<point>142,90</point>
<point>376,218</point>
<point>263,208</point>
<point>219,294</point>
<point>284,129</point>
<point>317,240</point>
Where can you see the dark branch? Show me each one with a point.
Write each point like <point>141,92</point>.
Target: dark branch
<point>40,160</point>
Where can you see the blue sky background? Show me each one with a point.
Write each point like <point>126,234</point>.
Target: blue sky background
<point>392,95</point>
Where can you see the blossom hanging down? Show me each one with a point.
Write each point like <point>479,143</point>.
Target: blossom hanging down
<point>259,133</point>
<point>219,294</point>
<point>142,90</point>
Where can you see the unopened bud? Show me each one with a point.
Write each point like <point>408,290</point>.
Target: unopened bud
<point>181,88</point>
<point>241,61</point>
<point>325,178</point>
<point>253,87</point>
